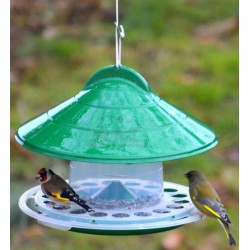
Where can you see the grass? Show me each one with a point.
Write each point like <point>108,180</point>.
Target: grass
<point>200,77</point>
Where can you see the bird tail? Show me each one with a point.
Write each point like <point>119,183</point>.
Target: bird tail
<point>225,226</point>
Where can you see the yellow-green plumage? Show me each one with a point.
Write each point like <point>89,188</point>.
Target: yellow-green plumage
<point>206,200</point>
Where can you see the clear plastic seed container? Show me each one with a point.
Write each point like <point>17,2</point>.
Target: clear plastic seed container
<point>118,186</point>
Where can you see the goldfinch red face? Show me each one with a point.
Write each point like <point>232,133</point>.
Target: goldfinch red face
<point>43,175</point>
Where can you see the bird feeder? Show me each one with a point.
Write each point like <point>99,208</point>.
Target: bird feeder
<point>116,132</point>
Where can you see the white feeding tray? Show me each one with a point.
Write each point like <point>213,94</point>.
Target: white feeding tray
<point>175,209</point>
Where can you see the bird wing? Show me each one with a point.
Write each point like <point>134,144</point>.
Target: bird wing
<point>55,188</point>
<point>53,191</point>
<point>46,191</point>
<point>210,201</point>
<point>206,190</point>
<point>68,194</point>
<point>60,182</point>
<point>213,207</point>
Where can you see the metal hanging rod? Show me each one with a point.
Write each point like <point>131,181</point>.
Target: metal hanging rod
<point>119,35</point>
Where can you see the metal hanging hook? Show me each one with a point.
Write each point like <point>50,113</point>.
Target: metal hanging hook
<point>119,35</point>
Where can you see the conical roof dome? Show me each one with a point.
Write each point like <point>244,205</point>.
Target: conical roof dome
<point>116,118</point>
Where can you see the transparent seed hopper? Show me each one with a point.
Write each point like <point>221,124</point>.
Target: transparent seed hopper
<point>116,133</point>
<point>118,186</point>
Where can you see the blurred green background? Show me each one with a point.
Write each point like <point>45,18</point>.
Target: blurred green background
<point>187,50</point>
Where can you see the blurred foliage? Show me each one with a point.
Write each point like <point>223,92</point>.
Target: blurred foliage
<point>188,52</point>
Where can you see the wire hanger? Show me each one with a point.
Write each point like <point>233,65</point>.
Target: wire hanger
<point>119,35</point>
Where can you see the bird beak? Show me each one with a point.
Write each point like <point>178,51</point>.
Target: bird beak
<point>38,176</point>
<point>186,175</point>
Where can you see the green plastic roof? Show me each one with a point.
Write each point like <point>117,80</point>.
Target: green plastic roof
<point>116,118</point>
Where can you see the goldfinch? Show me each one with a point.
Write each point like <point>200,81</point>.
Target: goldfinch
<point>206,200</point>
<point>57,189</point>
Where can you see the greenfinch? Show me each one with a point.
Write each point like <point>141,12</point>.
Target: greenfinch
<point>206,200</point>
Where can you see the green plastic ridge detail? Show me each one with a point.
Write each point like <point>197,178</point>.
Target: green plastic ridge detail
<point>115,160</point>
<point>116,118</point>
